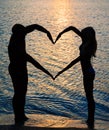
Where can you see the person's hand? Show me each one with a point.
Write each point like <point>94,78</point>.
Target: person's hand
<point>50,37</point>
<point>59,35</point>
<point>57,75</point>
<point>52,76</point>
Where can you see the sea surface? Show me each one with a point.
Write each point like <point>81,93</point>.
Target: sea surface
<point>64,96</point>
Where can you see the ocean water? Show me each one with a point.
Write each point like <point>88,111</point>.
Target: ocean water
<point>65,96</point>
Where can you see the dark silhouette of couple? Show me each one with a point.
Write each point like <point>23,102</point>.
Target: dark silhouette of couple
<point>18,66</point>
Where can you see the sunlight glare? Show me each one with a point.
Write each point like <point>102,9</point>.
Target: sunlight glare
<point>62,10</point>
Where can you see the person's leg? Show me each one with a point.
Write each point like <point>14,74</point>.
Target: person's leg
<point>88,86</point>
<point>19,103</point>
<point>20,89</point>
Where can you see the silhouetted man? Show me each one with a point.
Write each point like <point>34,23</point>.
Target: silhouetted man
<point>18,66</point>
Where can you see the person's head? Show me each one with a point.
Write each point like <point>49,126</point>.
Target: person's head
<point>18,29</point>
<point>89,38</point>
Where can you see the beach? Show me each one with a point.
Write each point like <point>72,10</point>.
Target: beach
<point>48,122</point>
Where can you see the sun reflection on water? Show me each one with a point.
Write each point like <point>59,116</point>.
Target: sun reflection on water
<point>61,11</point>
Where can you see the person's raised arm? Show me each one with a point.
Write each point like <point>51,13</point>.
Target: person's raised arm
<point>37,65</point>
<point>68,66</point>
<point>70,28</point>
<point>32,27</point>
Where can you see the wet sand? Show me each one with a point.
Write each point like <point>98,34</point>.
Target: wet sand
<point>49,122</point>
<point>42,122</point>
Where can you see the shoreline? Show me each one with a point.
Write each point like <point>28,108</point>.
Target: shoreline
<point>42,122</point>
<point>48,122</point>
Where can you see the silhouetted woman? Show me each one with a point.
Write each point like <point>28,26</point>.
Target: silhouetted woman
<point>18,66</point>
<point>87,51</point>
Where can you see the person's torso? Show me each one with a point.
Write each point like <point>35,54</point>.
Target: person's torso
<point>85,55</point>
<point>17,52</point>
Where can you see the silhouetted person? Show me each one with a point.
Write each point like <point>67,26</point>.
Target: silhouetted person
<point>18,66</point>
<point>87,51</point>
